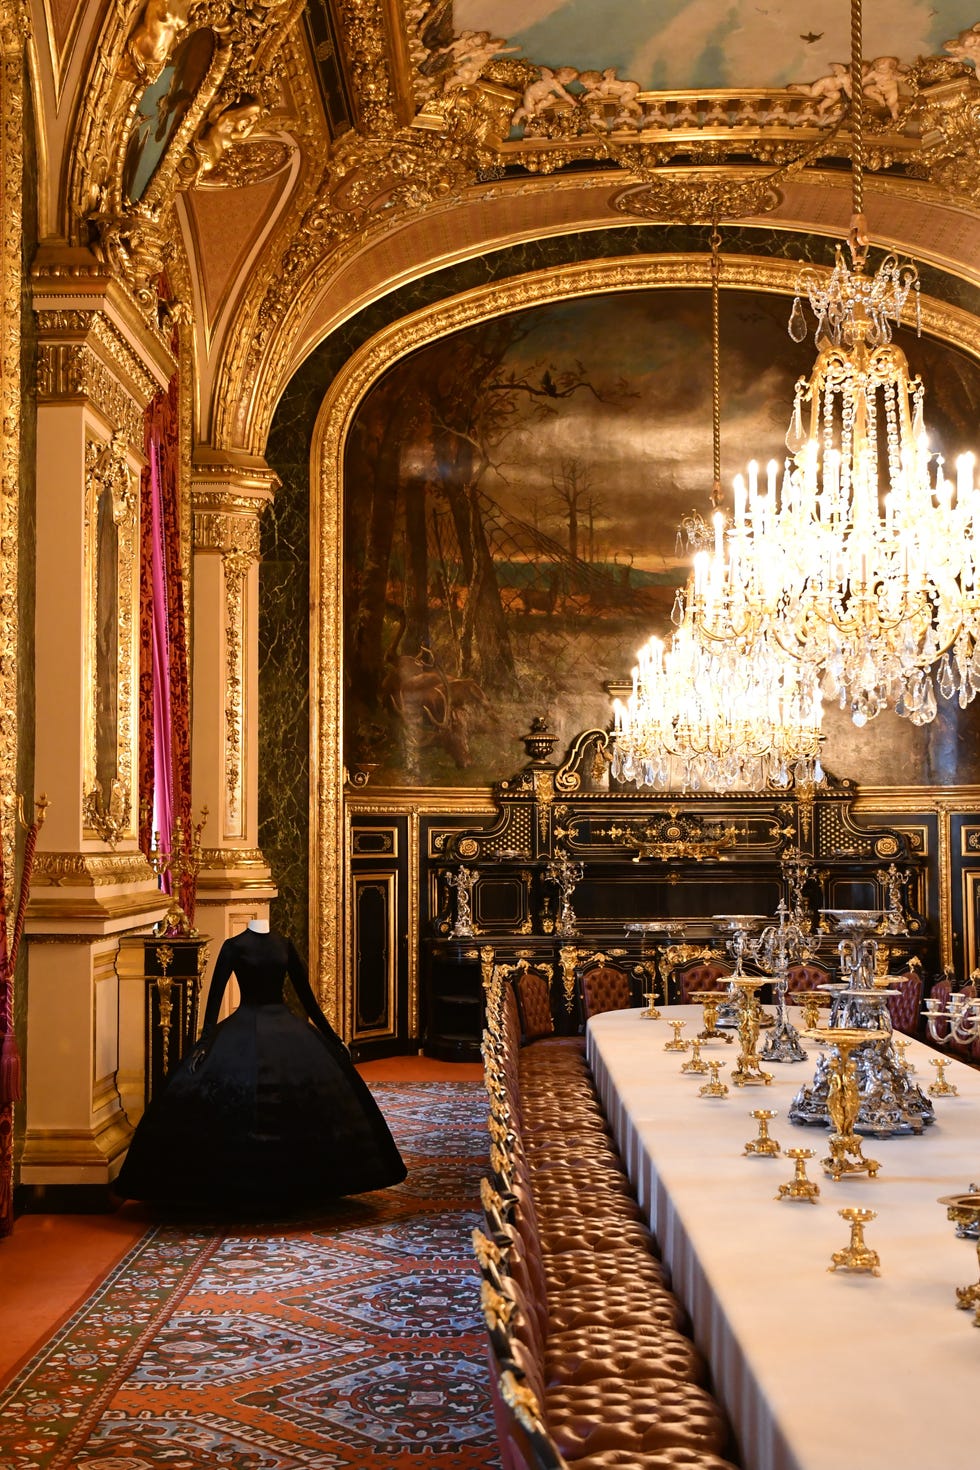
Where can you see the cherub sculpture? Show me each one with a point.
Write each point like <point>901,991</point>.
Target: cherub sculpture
<point>226,125</point>
<point>544,94</point>
<point>602,87</point>
<point>965,46</point>
<point>152,40</point>
<point>829,92</point>
<point>469,53</point>
<point>882,79</point>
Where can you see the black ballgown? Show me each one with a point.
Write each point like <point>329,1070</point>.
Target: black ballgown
<point>265,1109</point>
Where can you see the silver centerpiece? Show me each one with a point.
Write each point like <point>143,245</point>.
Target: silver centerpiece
<point>891,1103</point>
<point>780,945</point>
<point>463,882</point>
<point>739,929</point>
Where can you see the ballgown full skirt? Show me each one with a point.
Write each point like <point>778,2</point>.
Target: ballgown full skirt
<point>265,1108</point>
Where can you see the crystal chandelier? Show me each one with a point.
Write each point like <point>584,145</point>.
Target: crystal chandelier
<point>738,718</point>
<point>862,561</point>
<point>737,713</point>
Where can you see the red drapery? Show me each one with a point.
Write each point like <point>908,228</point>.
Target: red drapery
<point>164,717</point>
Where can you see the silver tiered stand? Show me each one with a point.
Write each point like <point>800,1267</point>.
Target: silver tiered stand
<point>891,1103</point>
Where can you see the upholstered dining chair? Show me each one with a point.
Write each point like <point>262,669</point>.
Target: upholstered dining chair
<point>904,1008</point>
<point>605,987</point>
<point>703,974</point>
<point>533,987</point>
<point>808,976</point>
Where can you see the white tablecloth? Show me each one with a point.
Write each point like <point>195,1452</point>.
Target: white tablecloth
<point>817,1370</point>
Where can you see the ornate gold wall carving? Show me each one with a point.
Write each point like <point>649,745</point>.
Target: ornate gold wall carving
<point>110,482</point>
<point>15,30</point>
<point>90,870</point>
<point>228,501</point>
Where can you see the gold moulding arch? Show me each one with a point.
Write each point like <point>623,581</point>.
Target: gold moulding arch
<point>951,324</point>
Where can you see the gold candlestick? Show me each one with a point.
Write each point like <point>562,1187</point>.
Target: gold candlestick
<point>710,1000</point>
<point>902,1047</point>
<point>856,1255</point>
<point>844,1102</point>
<point>748,1068</point>
<point>714,1088</point>
<point>763,1145</point>
<point>799,1187</point>
<point>812,1002</point>
<point>677,1044</point>
<point>651,1013</point>
<point>697,1062</point>
<point>941,1088</point>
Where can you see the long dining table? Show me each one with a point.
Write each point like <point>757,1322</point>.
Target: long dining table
<point>817,1369</point>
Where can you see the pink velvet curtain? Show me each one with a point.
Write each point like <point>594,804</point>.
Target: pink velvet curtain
<point>164,743</point>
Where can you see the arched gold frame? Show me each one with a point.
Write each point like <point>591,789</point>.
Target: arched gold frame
<point>326,939</point>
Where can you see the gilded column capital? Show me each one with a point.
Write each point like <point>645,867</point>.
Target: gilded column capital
<point>91,329</point>
<point>229,492</point>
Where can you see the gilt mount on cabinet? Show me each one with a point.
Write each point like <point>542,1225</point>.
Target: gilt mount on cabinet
<point>683,857</point>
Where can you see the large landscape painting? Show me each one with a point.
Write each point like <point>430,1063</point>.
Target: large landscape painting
<point>512,503</point>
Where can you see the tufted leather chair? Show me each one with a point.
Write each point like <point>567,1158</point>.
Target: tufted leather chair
<point>605,988</point>
<point>806,977</point>
<point>534,1003</point>
<point>904,1008</point>
<point>700,975</point>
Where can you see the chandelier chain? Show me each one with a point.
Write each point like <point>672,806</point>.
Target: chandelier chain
<point>716,494</point>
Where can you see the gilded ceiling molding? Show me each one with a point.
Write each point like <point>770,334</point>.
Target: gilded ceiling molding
<point>235,81</point>
<point>436,114</point>
<point>274,279</point>
<point>326,505</point>
<point>15,29</point>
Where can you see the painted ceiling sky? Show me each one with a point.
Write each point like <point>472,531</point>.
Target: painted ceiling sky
<point>680,44</point>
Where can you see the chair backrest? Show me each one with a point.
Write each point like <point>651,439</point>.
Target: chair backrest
<point>904,1008</point>
<point>534,1002</point>
<point>809,976</point>
<point>605,988</point>
<point>701,975</point>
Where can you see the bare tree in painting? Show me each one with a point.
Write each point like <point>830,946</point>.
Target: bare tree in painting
<point>428,636</point>
<point>573,492</point>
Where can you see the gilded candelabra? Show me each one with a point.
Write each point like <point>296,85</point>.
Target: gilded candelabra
<point>965,1210</point>
<point>711,1000</point>
<point>844,1102</point>
<point>462,882</point>
<point>748,1069</point>
<point>182,864</point>
<point>566,875</point>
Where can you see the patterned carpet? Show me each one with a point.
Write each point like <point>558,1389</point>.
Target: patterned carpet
<point>348,1339</point>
